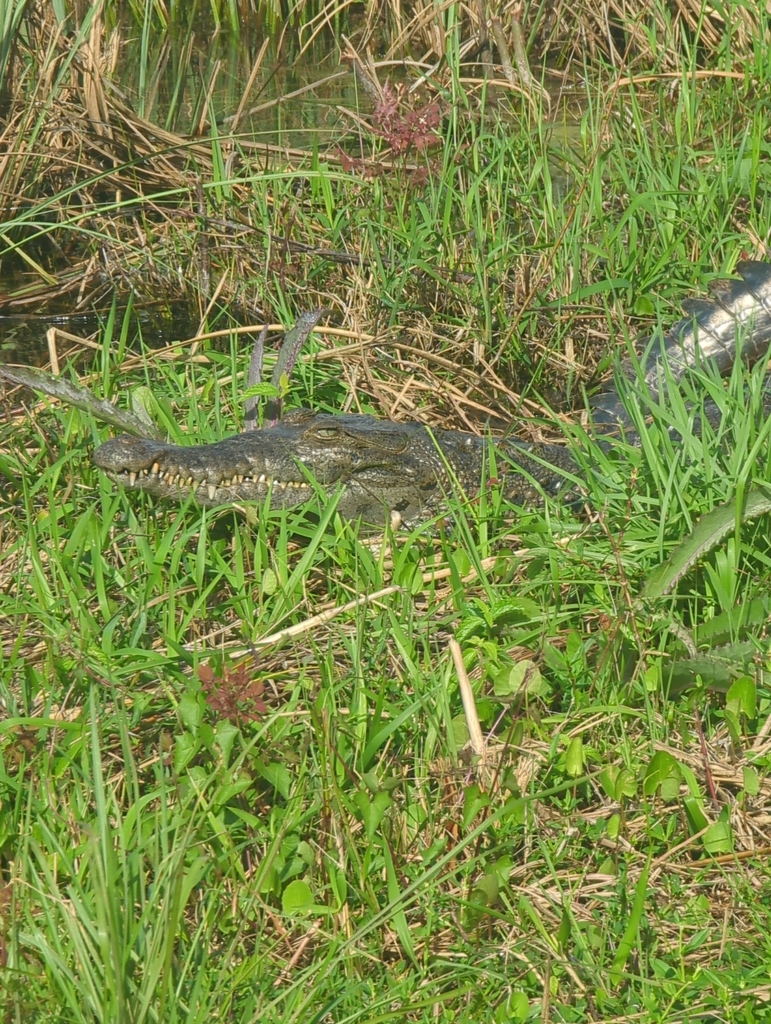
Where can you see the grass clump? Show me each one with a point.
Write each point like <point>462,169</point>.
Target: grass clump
<point>236,774</point>
<point>200,817</point>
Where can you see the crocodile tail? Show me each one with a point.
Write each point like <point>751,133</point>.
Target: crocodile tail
<point>737,316</point>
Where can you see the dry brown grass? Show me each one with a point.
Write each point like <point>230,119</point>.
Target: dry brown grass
<point>96,198</point>
<point>625,32</point>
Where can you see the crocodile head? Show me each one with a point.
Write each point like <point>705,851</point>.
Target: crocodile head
<point>381,467</point>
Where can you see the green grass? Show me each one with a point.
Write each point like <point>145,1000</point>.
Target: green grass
<point>164,864</point>
<point>337,855</point>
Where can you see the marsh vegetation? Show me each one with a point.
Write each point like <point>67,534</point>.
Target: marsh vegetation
<point>235,774</point>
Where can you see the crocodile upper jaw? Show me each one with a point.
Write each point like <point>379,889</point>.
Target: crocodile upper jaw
<point>170,471</point>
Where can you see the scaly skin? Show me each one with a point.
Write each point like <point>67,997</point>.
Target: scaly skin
<point>384,467</point>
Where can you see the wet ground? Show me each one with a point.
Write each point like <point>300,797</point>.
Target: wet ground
<point>291,93</point>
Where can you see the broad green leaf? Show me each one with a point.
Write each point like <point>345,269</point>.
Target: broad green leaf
<point>484,894</point>
<point>372,810</point>
<point>191,711</point>
<point>734,726</point>
<point>518,1008</point>
<point>474,801</point>
<point>297,897</point>
<point>306,853</point>
<point>708,532</point>
<point>618,782</point>
<point>522,677</point>
<point>742,698</point>
<point>145,406</point>
<point>225,734</point>
<point>750,781</point>
<point>515,809</point>
<point>252,820</point>
<point>653,678</point>
<point>503,868</point>
<point>232,789</point>
<point>263,390</point>
<point>277,774</point>
<point>608,778</point>
<point>185,749</point>
<point>269,582</point>
<point>662,775</point>
<point>691,781</point>
<point>721,629</point>
<point>516,607</point>
<point>460,733</point>
<point>486,889</point>
<point>574,757</point>
<point>718,839</point>
<point>716,668</point>
<point>626,784</point>
<point>613,826</point>
<point>694,812</point>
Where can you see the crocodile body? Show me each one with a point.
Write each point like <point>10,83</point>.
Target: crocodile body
<point>383,467</point>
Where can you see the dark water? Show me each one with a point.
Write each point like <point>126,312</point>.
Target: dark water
<point>192,75</point>
<point>23,335</point>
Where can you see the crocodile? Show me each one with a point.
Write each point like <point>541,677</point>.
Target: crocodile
<point>405,470</point>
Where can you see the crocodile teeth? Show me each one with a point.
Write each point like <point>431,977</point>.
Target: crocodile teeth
<point>156,469</point>
<point>261,478</point>
<point>132,478</point>
<point>212,490</point>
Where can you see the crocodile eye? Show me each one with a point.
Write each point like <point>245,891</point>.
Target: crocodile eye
<point>325,432</point>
